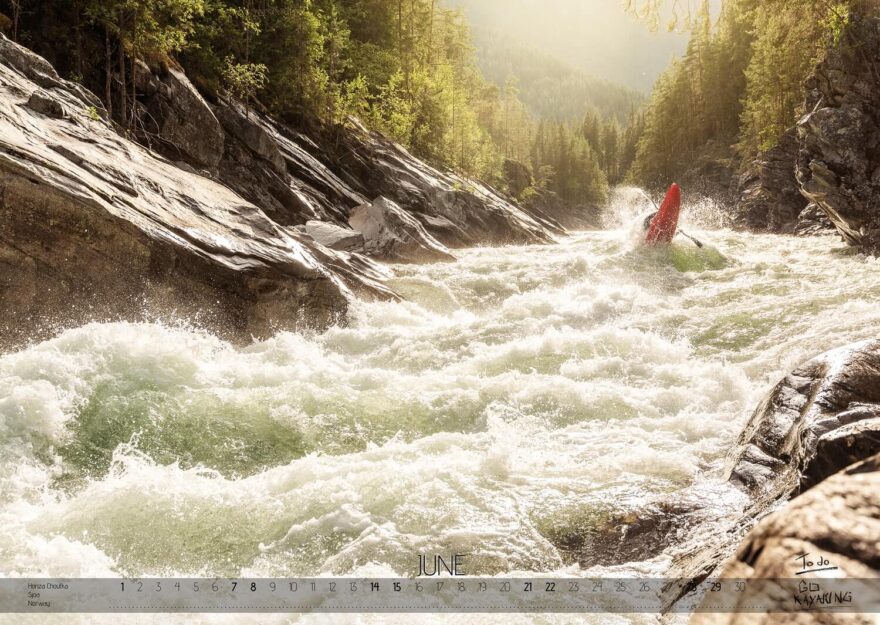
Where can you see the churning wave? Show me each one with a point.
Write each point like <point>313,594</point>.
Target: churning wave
<point>517,396</point>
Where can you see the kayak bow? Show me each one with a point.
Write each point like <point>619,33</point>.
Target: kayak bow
<point>665,223</point>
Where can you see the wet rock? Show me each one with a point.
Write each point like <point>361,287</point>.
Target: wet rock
<point>770,198</point>
<point>839,159</point>
<point>837,521</point>
<point>333,236</point>
<point>818,420</point>
<point>40,72</point>
<point>297,177</point>
<point>181,118</point>
<point>606,535</point>
<point>829,403</point>
<point>95,227</point>
<point>844,445</point>
<point>458,212</point>
<point>391,234</point>
<point>813,221</point>
<point>43,102</point>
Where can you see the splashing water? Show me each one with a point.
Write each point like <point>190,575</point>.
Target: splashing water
<point>521,405</point>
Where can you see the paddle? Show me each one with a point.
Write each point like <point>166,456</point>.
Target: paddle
<point>699,244</point>
<point>680,231</point>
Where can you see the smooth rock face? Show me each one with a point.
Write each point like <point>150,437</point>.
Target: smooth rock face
<point>838,165</point>
<point>180,117</point>
<point>831,404</point>
<point>455,211</point>
<point>838,520</point>
<point>391,234</point>
<point>95,227</point>
<point>548,209</point>
<point>297,178</point>
<point>770,199</point>
<point>334,237</point>
<point>280,170</point>
<point>39,71</point>
<point>238,122</point>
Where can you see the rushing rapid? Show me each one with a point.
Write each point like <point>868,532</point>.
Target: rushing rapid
<point>516,407</point>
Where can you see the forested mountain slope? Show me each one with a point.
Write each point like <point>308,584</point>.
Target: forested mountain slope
<point>551,89</point>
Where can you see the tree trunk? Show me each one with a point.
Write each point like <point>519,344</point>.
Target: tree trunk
<point>431,34</point>
<point>16,15</point>
<point>108,73</point>
<point>79,64</point>
<point>132,119</point>
<point>133,115</point>
<point>410,48</point>
<point>123,97</point>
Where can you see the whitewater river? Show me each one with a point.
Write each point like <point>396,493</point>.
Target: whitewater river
<point>521,405</point>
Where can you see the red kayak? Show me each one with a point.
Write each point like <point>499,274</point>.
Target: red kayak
<point>665,222</point>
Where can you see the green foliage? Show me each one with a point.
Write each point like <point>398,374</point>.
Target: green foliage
<point>740,83</point>
<point>567,165</point>
<point>788,41</point>
<point>405,67</point>
<point>148,27</point>
<point>243,80</point>
<point>836,20</point>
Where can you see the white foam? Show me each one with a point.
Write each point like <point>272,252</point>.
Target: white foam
<point>518,383</point>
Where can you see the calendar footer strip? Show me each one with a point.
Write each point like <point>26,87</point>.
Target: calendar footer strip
<point>435,595</point>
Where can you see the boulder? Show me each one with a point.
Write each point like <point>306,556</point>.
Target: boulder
<point>837,521</point>
<point>813,221</point>
<point>96,227</point>
<point>33,66</point>
<point>334,237</point>
<point>818,420</point>
<point>838,165</point>
<point>179,116</point>
<point>770,198</point>
<point>829,404</point>
<point>391,234</point>
<point>44,102</point>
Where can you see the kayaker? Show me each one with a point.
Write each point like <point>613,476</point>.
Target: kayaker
<point>662,225</point>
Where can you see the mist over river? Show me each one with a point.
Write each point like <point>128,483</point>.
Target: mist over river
<point>514,405</point>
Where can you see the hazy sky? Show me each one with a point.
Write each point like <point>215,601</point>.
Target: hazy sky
<point>597,36</point>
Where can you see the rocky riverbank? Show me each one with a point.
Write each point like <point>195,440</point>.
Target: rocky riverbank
<point>815,437</point>
<point>825,171</point>
<point>207,218</point>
